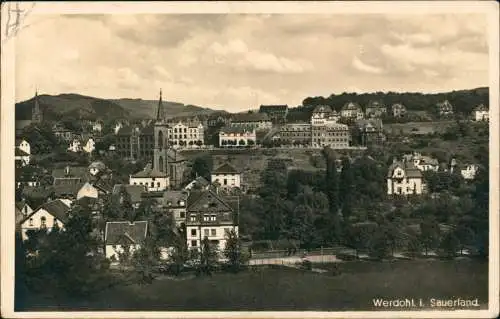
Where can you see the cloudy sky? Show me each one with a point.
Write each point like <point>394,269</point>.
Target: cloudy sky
<point>239,61</point>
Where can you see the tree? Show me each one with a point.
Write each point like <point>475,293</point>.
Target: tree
<point>251,142</point>
<point>180,254</point>
<point>208,257</point>
<point>236,257</point>
<point>429,233</point>
<point>202,166</point>
<point>378,246</point>
<point>242,143</point>
<point>145,258</point>
<point>449,245</point>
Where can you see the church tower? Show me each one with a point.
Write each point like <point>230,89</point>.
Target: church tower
<point>36,114</point>
<point>160,159</point>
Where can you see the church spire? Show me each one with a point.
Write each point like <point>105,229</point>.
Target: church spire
<point>36,115</point>
<point>160,112</point>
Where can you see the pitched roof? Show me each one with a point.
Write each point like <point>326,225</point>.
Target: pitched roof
<point>175,156</point>
<point>172,198</point>
<point>134,191</point>
<point>98,165</point>
<point>323,109</point>
<point>103,186</point>
<point>56,208</point>
<point>67,189</point>
<point>250,117</point>
<point>149,172</point>
<point>375,104</point>
<point>200,200</point>
<point>398,105</point>
<point>408,167</point>
<point>20,152</point>
<point>134,232</point>
<point>225,168</point>
<point>236,129</point>
<point>201,181</point>
<point>351,106</point>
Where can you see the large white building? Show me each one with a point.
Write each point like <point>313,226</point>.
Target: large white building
<point>403,178</point>
<point>237,136</point>
<point>226,176</point>
<point>186,134</point>
<point>22,152</point>
<point>352,110</point>
<point>152,179</point>
<point>257,121</point>
<point>324,115</point>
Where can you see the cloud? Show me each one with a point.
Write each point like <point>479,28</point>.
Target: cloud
<point>363,67</point>
<point>236,53</point>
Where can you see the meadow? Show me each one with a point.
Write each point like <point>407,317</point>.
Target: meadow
<point>288,289</point>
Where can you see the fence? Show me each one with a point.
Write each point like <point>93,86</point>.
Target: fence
<point>290,257</point>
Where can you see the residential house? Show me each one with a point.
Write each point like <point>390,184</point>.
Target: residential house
<point>199,183</point>
<point>97,167</point>
<point>88,145</point>
<point>45,217</point>
<point>152,179</point>
<point>75,146</point>
<point>62,133</point>
<point>87,190</point>
<point>403,178</point>
<point>134,192</point>
<point>118,127</point>
<point>237,136</point>
<point>352,110</point>
<point>324,115</point>
<point>249,121</point>
<point>469,171</point>
<point>97,126</point>
<point>175,202</point>
<point>22,153</point>
<point>368,132</point>
<point>226,176</point>
<point>398,110</point>
<point>69,180</point>
<point>481,113</point>
<point>277,113</point>
<point>423,162</point>
<point>296,133</point>
<point>375,109</point>
<point>219,119</point>
<point>122,235</point>
<point>209,216</point>
<point>444,108</point>
<point>22,211</point>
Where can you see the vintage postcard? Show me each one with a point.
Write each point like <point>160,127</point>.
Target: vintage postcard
<point>250,159</point>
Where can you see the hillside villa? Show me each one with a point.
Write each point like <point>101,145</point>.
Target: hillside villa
<point>403,178</point>
<point>237,136</point>
<point>352,110</point>
<point>226,176</point>
<point>45,217</point>
<point>398,110</point>
<point>481,113</point>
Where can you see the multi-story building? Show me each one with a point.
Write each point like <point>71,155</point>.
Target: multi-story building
<point>324,114</point>
<point>352,110</point>
<point>237,136</point>
<point>277,113</point>
<point>481,113</point>
<point>62,133</point>
<point>175,202</point>
<point>257,121</point>
<point>121,235</point>
<point>45,217</point>
<point>403,178</point>
<point>444,108</point>
<point>226,176</point>
<point>375,109</point>
<point>135,142</point>
<point>209,216</point>
<point>368,132</point>
<point>219,119</point>
<point>334,135</point>
<point>186,134</point>
<point>296,133</point>
<point>398,110</point>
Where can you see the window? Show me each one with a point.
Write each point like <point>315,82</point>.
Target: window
<point>43,222</point>
<point>225,181</point>
<point>158,184</point>
<point>31,221</point>
<point>193,232</point>
<point>206,232</point>
<point>194,243</point>
<point>213,232</point>
<point>183,214</point>
<point>213,218</point>
<point>152,184</point>
<point>54,222</point>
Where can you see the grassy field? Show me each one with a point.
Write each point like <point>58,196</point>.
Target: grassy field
<point>421,127</point>
<point>286,289</point>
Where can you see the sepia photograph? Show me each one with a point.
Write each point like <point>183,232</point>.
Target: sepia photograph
<point>250,159</point>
